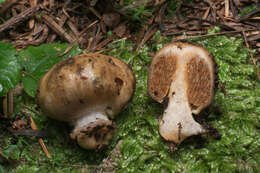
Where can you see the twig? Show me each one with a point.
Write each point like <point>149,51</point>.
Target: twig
<point>251,55</point>
<point>104,50</point>
<point>89,26</point>
<point>208,35</point>
<point>226,8</point>
<point>37,133</point>
<point>33,3</point>
<point>247,164</point>
<point>29,74</point>
<point>14,21</point>
<point>73,28</point>
<point>77,39</point>
<point>57,28</point>
<point>95,12</point>
<point>249,14</point>
<point>223,88</point>
<point>121,39</point>
<point>62,164</point>
<point>33,126</point>
<point>206,14</point>
<point>5,106</point>
<point>151,31</point>
<point>7,5</point>
<point>104,43</point>
<point>10,100</point>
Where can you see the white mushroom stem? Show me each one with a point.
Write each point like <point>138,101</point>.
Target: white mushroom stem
<point>177,122</point>
<point>91,117</point>
<point>93,131</point>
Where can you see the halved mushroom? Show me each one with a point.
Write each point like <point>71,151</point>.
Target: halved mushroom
<point>182,75</point>
<point>87,91</point>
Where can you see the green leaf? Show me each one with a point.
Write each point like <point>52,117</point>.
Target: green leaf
<point>38,60</point>
<point>10,70</point>
<point>1,169</point>
<point>11,151</point>
<point>30,85</point>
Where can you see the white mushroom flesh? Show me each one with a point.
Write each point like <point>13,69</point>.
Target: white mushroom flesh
<point>191,88</point>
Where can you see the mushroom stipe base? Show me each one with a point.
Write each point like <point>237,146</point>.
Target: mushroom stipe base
<point>94,135</point>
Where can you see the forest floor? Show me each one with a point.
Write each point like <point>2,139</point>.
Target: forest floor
<point>35,35</point>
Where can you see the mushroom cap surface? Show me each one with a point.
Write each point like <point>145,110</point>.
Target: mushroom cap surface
<point>86,83</point>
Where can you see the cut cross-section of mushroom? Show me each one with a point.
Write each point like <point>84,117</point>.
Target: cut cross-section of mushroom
<point>87,91</point>
<point>183,75</point>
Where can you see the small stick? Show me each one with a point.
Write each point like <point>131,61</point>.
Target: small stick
<point>121,2</point>
<point>33,126</point>
<point>209,35</point>
<point>57,28</point>
<point>255,18</point>
<point>251,55</point>
<point>223,88</point>
<point>73,29</point>
<point>33,3</point>
<point>51,4</point>
<point>119,40</point>
<point>77,39</point>
<point>226,8</point>
<point>5,106</point>
<point>206,14</point>
<point>104,50</point>
<point>89,26</point>
<point>14,21</point>
<point>95,12</point>
<point>7,5</point>
<point>103,43</point>
<point>10,101</point>
<point>151,31</point>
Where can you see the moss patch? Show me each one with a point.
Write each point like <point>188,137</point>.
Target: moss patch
<point>142,148</point>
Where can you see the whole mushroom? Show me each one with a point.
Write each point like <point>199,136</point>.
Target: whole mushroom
<point>182,76</point>
<point>87,91</point>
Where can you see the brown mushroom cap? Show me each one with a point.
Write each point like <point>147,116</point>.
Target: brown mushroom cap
<point>184,75</point>
<point>86,85</point>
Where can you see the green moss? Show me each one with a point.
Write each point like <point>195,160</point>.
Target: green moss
<point>248,9</point>
<point>142,148</point>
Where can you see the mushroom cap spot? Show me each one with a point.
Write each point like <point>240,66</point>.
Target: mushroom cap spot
<point>85,83</point>
<point>200,73</point>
